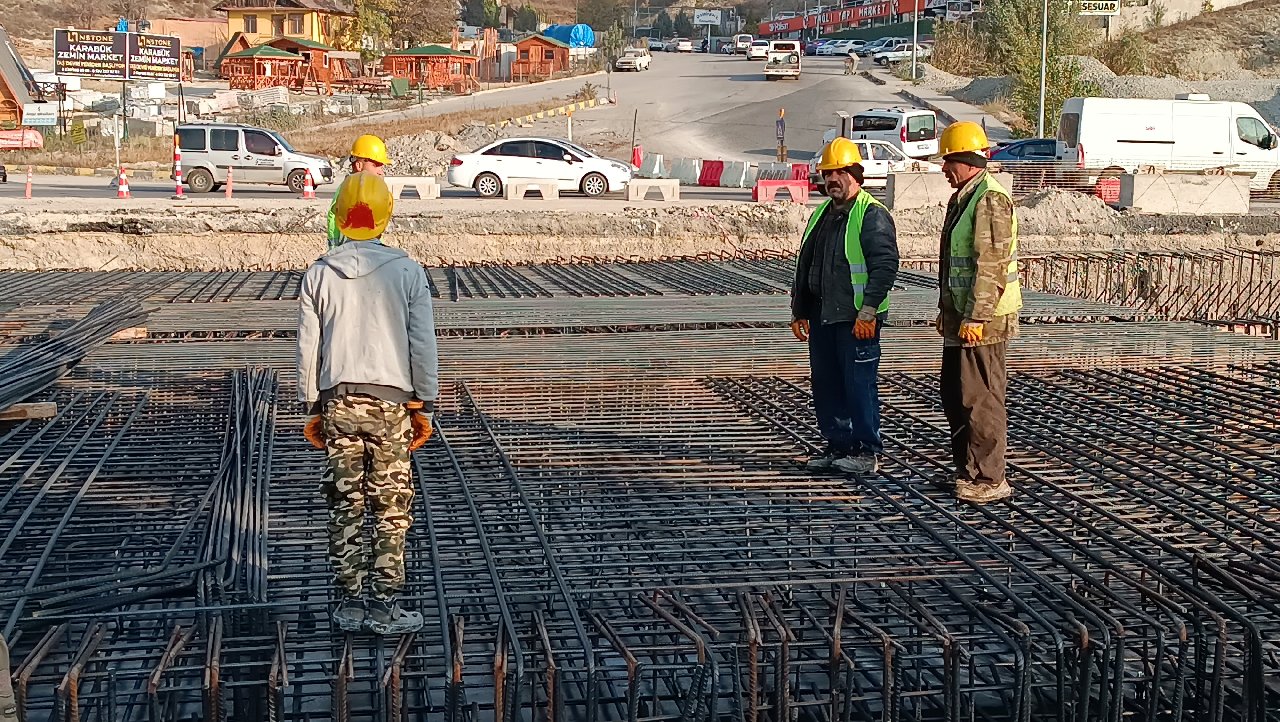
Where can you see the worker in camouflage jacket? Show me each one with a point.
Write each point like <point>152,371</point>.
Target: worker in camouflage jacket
<point>368,372</point>
<point>978,308</point>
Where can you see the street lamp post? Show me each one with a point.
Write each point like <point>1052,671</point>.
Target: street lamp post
<point>915,37</point>
<point>1044,63</point>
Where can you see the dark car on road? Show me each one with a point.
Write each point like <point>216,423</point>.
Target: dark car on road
<point>811,47</point>
<point>1030,149</point>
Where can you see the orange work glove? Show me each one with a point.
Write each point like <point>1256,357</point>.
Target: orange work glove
<point>864,328</point>
<point>937,324</point>
<point>971,331</point>
<point>422,429</point>
<point>800,328</point>
<point>314,432</point>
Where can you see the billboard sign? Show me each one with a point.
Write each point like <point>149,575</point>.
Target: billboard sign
<point>1100,7</point>
<point>101,54</point>
<point>155,57</point>
<point>111,55</point>
<point>39,114</point>
<point>706,17</point>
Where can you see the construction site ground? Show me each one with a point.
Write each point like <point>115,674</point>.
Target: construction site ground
<point>612,521</point>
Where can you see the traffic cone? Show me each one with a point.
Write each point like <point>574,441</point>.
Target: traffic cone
<point>177,174</point>
<point>122,188</point>
<point>27,194</point>
<point>229,182</point>
<point>308,188</point>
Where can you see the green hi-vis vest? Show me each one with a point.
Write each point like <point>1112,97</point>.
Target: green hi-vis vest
<point>964,263</point>
<point>852,244</point>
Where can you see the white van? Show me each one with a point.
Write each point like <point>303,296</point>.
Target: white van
<point>1191,132</point>
<point>253,155</point>
<point>741,43</point>
<point>913,130</point>
<point>783,59</point>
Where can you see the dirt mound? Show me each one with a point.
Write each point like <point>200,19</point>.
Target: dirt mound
<point>1145,86</point>
<point>981,91</point>
<point>1090,69</point>
<point>940,80</point>
<point>1054,207</point>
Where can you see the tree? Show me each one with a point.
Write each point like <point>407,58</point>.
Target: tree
<point>601,13</point>
<point>611,47</point>
<point>418,23</point>
<point>662,25</point>
<point>684,25</point>
<point>526,19</point>
<point>475,12</point>
<point>372,30</point>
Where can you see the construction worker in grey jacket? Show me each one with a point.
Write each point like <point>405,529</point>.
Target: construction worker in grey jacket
<point>368,373</point>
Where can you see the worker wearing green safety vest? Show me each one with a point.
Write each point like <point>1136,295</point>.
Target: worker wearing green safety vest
<point>978,302</point>
<point>368,155</point>
<point>840,299</point>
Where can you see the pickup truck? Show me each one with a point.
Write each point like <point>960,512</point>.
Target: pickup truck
<point>783,59</point>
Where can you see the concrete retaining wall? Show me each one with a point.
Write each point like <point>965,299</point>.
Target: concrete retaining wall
<point>905,191</point>
<point>1178,193</point>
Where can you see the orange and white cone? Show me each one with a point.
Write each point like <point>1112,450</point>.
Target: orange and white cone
<point>178,195</point>
<point>122,188</point>
<point>229,182</point>
<point>27,193</point>
<point>308,188</point>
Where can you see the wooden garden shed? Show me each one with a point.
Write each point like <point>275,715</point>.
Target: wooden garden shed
<point>263,67</point>
<point>319,66</point>
<point>434,67</point>
<point>539,56</point>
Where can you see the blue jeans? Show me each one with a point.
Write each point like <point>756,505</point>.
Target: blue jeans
<point>845,399</point>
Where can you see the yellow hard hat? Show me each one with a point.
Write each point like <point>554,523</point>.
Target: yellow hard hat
<point>963,137</point>
<point>839,153</point>
<point>370,147</point>
<point>363,206</point>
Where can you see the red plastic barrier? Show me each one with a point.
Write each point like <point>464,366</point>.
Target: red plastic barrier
<point>1108,189</point>
<point>637,155</point>
<point>800,171</point>
<point>711,172</point>
<point>767,190</point>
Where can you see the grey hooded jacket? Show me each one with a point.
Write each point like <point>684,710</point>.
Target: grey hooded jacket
<point>365,319</point>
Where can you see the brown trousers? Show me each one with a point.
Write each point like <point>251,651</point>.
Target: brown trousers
<point>973,388</point>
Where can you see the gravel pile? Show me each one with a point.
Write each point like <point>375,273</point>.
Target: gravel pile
<point>981,91</point>
<point>429,153</point>
<point>1091,70</point>
<point>1145,86</point>
<point>1057,208</point>
<point>940,80</point>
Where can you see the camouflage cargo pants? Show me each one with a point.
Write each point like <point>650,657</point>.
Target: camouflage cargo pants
<point>367,441</point>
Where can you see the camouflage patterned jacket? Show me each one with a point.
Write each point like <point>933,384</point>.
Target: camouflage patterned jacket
<point>992,242</point>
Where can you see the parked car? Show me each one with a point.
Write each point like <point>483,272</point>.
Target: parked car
<point>914,131</point>
<point>853,47</point>
<point>741,42</point>
<point>255,155</point>
<point>1030,149</point>
<point>576,168</point>
<point>633,59</point>
<point>835,47</point>
<point>901,53</point>
<point>811,47</point>
<point>656,44</point>
<point>879,159</point>
<point>4,174</point>
<point>1189,132</point>
<point>880,44</point>
<point>759,50</point>
<point>679,45</point>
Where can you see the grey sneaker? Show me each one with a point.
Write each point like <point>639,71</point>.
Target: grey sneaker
<point>350,614</point>
<point>822,462</point>
<point>388,617</point>
<point>860,464</point>
<point>975,493</point>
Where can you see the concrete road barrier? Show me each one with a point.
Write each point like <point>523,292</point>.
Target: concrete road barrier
<point>638,188</point>
<point>652,166</point>
<point>516,188</point>
<point>774,171</point>
<point>686,170</point>
<point>1185,193</point>
<point>904,191</point>
<point>766,191</point>
<point>427,186</point>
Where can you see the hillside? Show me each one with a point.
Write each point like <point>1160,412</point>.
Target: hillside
<point>1230,44</point>
<point>33,20</point>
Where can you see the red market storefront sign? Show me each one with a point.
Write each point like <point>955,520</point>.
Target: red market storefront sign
<point>842,18</point>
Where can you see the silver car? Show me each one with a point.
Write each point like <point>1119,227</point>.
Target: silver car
<point>253,155</point>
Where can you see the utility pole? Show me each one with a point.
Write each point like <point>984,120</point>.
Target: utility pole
<point>915,37</point>
<point>1044,63</point>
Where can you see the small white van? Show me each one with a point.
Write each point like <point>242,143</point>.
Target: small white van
<point>1190,132</point>
<point>913,130</point>
<point>741,43</point>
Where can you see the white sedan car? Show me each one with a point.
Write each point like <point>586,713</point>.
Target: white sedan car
<point>758,50</point>
<point>576,168</point>
<point>633,59</point>
<point>879,159</point>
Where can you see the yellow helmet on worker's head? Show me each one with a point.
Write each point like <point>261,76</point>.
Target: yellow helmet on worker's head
<point>363,207</point>
<point>370,147</point>
<point>963,137</point>
<point>839,153</point>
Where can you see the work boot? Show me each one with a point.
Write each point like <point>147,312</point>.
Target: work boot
<point>823,461</point>
<point>860,464</point>
<point>976,493</point>
<point>350,614</point>
<point>388,617</point>
<point>950,479</point>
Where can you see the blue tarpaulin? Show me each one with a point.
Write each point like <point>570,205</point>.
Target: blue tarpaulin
<point>575,36</point>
